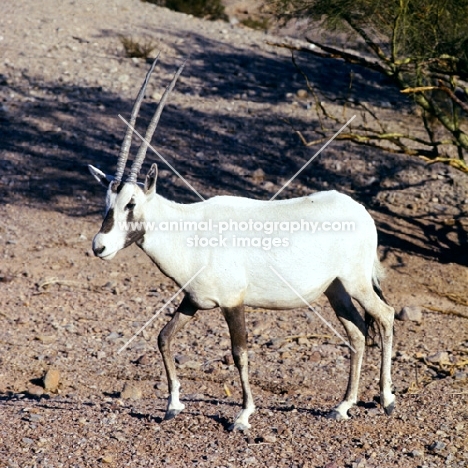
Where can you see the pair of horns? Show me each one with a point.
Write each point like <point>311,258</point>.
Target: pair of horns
<point>125,148</point>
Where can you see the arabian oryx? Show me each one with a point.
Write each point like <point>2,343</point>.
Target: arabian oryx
<point>302,266</point>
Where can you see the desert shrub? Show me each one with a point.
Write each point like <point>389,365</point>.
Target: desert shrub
<point>421,46</point>
<point>261,24</point>
<point>137,48</point>
<point>209,9</point>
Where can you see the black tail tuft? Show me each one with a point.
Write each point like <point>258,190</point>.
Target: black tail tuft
<point>378,291</point>
<point>371,331</point>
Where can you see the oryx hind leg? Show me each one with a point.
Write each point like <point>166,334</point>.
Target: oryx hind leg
<point>184,314</point>
<point>355,328</point>
<point>383,316</point>
<point>235,318</point>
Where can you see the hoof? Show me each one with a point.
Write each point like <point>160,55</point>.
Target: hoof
<point>336,416</point>
<point>239,427</point>
<point>171,414</point>
<point>389,409</point>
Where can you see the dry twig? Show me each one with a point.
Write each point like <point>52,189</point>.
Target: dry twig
<point>447,312</point>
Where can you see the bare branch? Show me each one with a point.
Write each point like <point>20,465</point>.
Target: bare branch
<point>394,138</point>
<point>453,96</point>
<point>448,312</point>
<point>331,53</point>
<point>370,43</point>
<point>418,89</point>
<point>456,163</point>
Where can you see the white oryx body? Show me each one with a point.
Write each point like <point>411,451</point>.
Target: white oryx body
<point>236,274</point>
<point>342,264</point>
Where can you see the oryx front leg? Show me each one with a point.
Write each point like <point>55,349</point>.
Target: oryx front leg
<point>235,319</point>
<point>182,316</point>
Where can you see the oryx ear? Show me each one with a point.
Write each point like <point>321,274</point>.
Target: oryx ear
<point>150,182</point>
<point>102,178</point>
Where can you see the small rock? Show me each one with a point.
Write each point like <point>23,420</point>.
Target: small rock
<point>284,432</point>
<point>303,341</point>
<point>107,459</point>
<point>131,391</point>
<point>42,441</point>
<point>403,356</point>
<point>302,94</point>
<point>440,357</point>
<point>123,78</point>
<point>258,175</point>
<point>437,446</point>
<point>359,463</point>
<point>410,313</point>
<point>27,441</point>
<point>112,336</point>
<point>315,357</point>
<point>450,457</point>
<point>373,412</point>
<point>192,365</point>
<point>51,380</point>
<point>46,339</point>
<point>181,359</point>
<point>275,342</point>
<point>417,453</point>
<point>257,331</point>
<point>270,439</point>
<point>35,390</point>
<point>331,465</point>
<point>143,360</point>
<point>156,96</point>
<point>228,360</point>
<point>101,354</point>
<point>35,417</point>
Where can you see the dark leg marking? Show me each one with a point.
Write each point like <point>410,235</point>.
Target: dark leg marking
<point>235,318</point>
<point>184,314</point>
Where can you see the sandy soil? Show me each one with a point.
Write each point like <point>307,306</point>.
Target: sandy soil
<point>63,81</point>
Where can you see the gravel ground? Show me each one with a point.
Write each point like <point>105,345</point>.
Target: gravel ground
<point>67,398</point>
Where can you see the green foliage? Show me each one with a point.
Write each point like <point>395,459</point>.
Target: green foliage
<point>209,9</point>
<point>422,45</point>
<point>253,23</point>
<point>137,49</point>
<point>420,29</point>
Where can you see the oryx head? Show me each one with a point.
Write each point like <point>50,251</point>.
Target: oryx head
<point>126,200</point>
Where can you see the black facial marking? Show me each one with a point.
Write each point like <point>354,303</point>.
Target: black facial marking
<point>130,205</point>
<point>108,222</point>
<point>137,234</point>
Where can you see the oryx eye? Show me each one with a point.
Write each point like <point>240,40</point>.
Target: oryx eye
<point>130,206</point>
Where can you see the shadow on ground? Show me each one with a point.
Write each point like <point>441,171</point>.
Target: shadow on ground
<point>47,142</point>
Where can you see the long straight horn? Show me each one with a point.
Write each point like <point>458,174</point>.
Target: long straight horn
<point>140,157</point>
<point>125,148</point>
